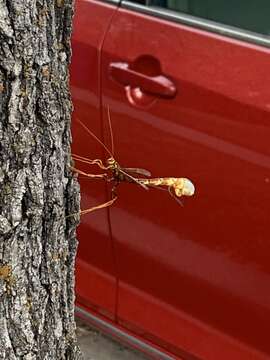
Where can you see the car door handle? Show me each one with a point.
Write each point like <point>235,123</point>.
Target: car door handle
<point>157,85</point>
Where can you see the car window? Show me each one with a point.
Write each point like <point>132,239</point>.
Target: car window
<point>252,15</point>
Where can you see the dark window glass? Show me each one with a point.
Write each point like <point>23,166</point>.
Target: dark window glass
<point>253,15</point>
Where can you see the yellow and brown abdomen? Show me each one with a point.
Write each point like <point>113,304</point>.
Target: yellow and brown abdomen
<point>181,186</point>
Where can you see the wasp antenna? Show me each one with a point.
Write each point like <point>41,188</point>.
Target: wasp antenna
<point>111,131</point>
<point>94,136</point>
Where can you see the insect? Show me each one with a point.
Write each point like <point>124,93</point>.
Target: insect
<point>113,172</point>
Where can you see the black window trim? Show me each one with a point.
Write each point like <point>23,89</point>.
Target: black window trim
<point>200,23</point>
<point>116,2</point>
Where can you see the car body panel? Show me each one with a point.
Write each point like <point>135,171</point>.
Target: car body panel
<point>192,278</point>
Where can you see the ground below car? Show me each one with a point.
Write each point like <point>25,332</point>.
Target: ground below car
<point>96,346</point>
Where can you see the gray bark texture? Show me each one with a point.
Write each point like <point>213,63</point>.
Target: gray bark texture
<point>37,190</point>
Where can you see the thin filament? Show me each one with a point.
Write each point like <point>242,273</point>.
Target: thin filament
<point>111,131</point>
<point>94,136</point>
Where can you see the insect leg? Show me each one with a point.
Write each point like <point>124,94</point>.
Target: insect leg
<point>101,206</point>
<point>89,161</point>
<point>171,192</point>
<point>92,176</point>
<point>114,194</point>
<point>94,208</point>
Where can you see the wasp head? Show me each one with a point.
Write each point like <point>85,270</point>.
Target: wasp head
<point>112,163</point>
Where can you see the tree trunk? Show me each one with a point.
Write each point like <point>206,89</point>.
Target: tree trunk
<point>37,190</point>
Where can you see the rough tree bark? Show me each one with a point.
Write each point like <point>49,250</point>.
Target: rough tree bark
<point>37,190</point>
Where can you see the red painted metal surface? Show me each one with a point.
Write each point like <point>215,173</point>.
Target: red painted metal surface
<point>196,277</point>
<point>192,279</point>
<point>96,282</point>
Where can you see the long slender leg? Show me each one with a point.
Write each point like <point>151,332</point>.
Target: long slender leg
<point>101,206</point>
<point>89,161</point>
<point>106,204</point>
<point>174,196</point>
<point>92,176</point>
<point>114,186</point>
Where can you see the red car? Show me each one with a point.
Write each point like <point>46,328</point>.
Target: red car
<point>187,83</point>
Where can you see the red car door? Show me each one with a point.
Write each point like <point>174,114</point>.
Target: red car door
<point>95,268</point>
<point>192,278</point>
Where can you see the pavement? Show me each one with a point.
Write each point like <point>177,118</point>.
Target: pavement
<point>97,346</point>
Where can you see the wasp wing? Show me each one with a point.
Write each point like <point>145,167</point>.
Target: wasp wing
<point>139,171</point>
<point>137,181</point>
